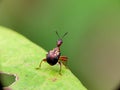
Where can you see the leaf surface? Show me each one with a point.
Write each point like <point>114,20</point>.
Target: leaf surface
<point>20,56</point>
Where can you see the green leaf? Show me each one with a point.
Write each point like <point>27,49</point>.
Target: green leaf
<point>19,56</point>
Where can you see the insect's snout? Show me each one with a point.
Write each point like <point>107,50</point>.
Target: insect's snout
<point>59,42</point>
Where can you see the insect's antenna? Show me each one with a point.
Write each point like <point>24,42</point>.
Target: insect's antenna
<point>64,35</point>
<point>57,34</point>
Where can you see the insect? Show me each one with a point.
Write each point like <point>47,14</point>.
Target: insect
<point>54,56</point>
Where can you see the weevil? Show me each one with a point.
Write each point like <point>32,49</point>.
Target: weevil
<point>54,56</point>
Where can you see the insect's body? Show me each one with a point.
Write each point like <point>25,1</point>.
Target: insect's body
<point>54,56</point>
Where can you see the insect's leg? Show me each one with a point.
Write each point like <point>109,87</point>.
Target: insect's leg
<point>41,63</point>
<point>60,68</point>
<point>64,60</point>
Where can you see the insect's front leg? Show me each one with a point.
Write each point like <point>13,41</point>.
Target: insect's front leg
<point>64,59</point>
<point>41,63</point>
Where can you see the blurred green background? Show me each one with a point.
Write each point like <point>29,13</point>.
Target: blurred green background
<point>93,42</point>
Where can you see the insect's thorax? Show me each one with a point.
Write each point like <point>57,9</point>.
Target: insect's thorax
<point>53,56</point>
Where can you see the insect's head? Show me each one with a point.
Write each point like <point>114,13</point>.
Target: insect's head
<point>60,41</point>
